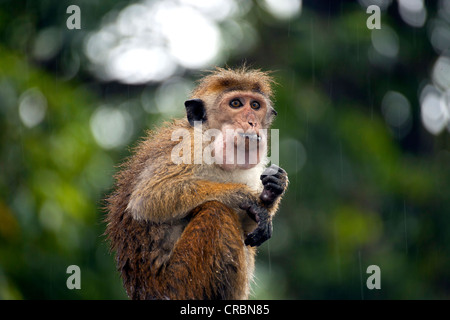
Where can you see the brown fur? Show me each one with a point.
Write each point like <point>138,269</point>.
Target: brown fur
<point>242,79</point>
<point>154,266</point>
<point>161,190</point>
<point>177,229</point>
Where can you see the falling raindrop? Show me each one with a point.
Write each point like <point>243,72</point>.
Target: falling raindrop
<point>361,275</point>
<point>406,229</point>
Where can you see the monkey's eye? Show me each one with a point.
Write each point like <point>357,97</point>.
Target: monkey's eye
<point>235,103</point>
<point>255,105</point>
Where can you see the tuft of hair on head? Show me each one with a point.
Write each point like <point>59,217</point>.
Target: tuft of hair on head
<point>228,79</point>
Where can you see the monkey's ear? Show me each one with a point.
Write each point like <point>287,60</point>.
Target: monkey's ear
<point>195,110</point>
<point>274,112</point>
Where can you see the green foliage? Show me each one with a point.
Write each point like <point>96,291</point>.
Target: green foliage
<point>53,177</point>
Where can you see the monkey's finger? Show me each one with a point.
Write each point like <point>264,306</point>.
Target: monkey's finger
<point>282,171</point>
<point>266,179</point>
<point>270,193</point>
<point>255,238</point>
<point>251,240</point>
<point>273,187</point>
<point>268,197</point>
<point>262,233</point>
<point>282,175</point>
<point>276,175</point>
<point>274,180</point>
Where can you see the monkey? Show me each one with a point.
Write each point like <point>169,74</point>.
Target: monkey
<point>189,230</point>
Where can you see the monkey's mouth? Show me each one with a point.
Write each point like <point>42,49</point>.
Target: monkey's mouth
<point>250,136</point>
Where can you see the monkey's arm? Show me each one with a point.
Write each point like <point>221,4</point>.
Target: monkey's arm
<point>275,183</point>
<point>175,197</point>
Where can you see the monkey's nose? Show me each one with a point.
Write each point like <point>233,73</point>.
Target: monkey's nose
<point>251,120</point>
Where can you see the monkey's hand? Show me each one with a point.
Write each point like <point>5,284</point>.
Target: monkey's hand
<point>264,229</point>
<point>275,182</point>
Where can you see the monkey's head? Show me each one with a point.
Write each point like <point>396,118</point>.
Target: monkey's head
<point>238,104</point>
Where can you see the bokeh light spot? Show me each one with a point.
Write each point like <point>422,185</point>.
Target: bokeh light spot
<point>32,107</point>
<point>111,127</point>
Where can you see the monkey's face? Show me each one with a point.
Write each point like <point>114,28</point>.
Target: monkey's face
<point>243,110</point>
<point>238,121</point>
<point>241,116</point>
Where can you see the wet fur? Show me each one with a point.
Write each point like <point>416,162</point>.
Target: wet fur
<point>177,229</point>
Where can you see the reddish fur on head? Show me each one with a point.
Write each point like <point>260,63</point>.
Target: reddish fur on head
<point>242,79</point>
